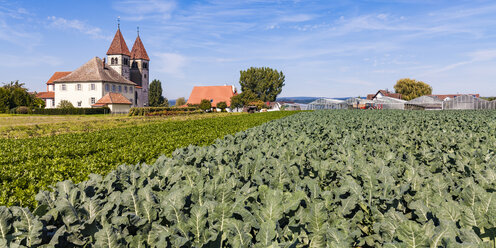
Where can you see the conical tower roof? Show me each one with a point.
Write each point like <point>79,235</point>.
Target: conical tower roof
<point>118,46</point>
<point>138,51</point>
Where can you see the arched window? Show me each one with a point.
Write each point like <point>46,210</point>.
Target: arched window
<point>145,65</point>
<point>135,65</point>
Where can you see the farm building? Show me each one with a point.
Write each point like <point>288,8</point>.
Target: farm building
<point>424,103</point>
<point>214,94</point>
<point>468,102</point>
<point>383,93</point>
<point>447,97</point>
<point>386,102</point>
<point>327,103</point>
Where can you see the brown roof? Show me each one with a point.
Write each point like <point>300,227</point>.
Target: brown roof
<point>442,97</point>
<point>215,94</point>
<point>384,93</point>
<point>112,98</point>
<point>138,51</point>
<point>118,45</point>
<point>57,75</point>
<point>94,71</point>
<point>45,95</point>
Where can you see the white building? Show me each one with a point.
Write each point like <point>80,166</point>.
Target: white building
<point>125,75</point>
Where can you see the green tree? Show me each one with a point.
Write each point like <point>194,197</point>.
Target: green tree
<point>411,88</point>
<point>14,94</point>
<point>155,98</point>
<point>180,102</point>
<point>266,83</point>
<point>222,106</point>
<point>205,105</point>
<point>245,98</point>
<point>64,104</point>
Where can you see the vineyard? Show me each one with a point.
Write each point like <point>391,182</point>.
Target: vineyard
<point>313,179</point>
<point>28,165</point>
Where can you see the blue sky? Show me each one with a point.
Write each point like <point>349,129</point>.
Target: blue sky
<point>332,48</point>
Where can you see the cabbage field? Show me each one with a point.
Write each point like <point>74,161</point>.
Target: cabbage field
<point>314,179</point>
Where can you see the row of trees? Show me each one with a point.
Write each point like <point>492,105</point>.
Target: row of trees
<point>14,95</point>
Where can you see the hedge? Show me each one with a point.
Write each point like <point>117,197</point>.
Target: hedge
<point>72,111</point>
<point>147,110</point>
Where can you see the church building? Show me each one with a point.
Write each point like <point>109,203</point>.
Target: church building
<point>120,81</point>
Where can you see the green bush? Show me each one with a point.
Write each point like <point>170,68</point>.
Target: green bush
<point>22,110</point>
<point>140,111</point>
<point>205,105</point>
<point>72,111</point>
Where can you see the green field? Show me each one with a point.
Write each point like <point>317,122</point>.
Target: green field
<point>342,178</point>
<point>30,164</point>
<point>29,126</point>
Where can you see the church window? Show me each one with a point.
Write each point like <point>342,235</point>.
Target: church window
<point>78,87</point>
<point>92,87</point>
<point>63,87</point>
<point>92,100</point>
<point>113,87</point>
<point>125,89</point>
<point>79,103</point>
<point>135,65</point>
<point>144,75</point>
<point>120,88</point>
<point>145,65</point>
<point>107,88</point>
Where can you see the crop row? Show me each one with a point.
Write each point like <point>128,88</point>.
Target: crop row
<point>315,179</point>
<point>29,165</point>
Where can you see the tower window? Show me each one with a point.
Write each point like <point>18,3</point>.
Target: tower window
<point>144,75</point>
<point>145,65</point>
<point>135,65</point>
<point>125,89</point>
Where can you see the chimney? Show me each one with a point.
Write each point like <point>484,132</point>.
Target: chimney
<point>103,64</point>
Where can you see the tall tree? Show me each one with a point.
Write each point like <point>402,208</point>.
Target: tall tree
<point>266,83</point>
<point>14,94</point>
<point>180,102</point>
<point>411,88</point>
<point>155,98</point>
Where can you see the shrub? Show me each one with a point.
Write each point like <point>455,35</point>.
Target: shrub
<point>64,104</point>
<point>205,105</point>
<point>72,111</point>
<point>222,106</point>
<point>140,111</point>
<point>22,110</point>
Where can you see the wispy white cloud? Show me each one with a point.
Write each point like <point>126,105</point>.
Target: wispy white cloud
<point>136,10</point>
<point>15,32</point>
<point>171,63</point>
<point>13,61</point>
<point>77,25</point>
<point>473,57</point>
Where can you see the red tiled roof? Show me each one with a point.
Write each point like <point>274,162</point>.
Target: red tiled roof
<point>442,97</point>
<point>215,94</point>
<point>138,51</point>
<point>95,71</point>
<point>57,75</point>
<point>45,95</point>
<point>118,45</point>
<point>112,98</point>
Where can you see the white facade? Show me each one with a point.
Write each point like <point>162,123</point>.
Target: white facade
<point>85,94</point>
<point>50,103</point>
<point>119,108</point>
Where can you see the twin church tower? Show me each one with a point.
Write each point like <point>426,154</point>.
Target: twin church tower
<point>131,65</point>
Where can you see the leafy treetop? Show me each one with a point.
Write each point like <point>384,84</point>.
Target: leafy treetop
<point>411,88</point>
<point>266,83</point>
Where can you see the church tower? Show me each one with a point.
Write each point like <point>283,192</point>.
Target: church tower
<point>140,71</point>
<point>118,56</point>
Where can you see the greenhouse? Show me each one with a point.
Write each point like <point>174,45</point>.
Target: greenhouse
<point>469,102</point>
<point>327,103</point>
<point>424,103</point>
<point>386,102</point>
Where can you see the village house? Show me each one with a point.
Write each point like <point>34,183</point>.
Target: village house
<point>120,82</point>
<point>214,94</point>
